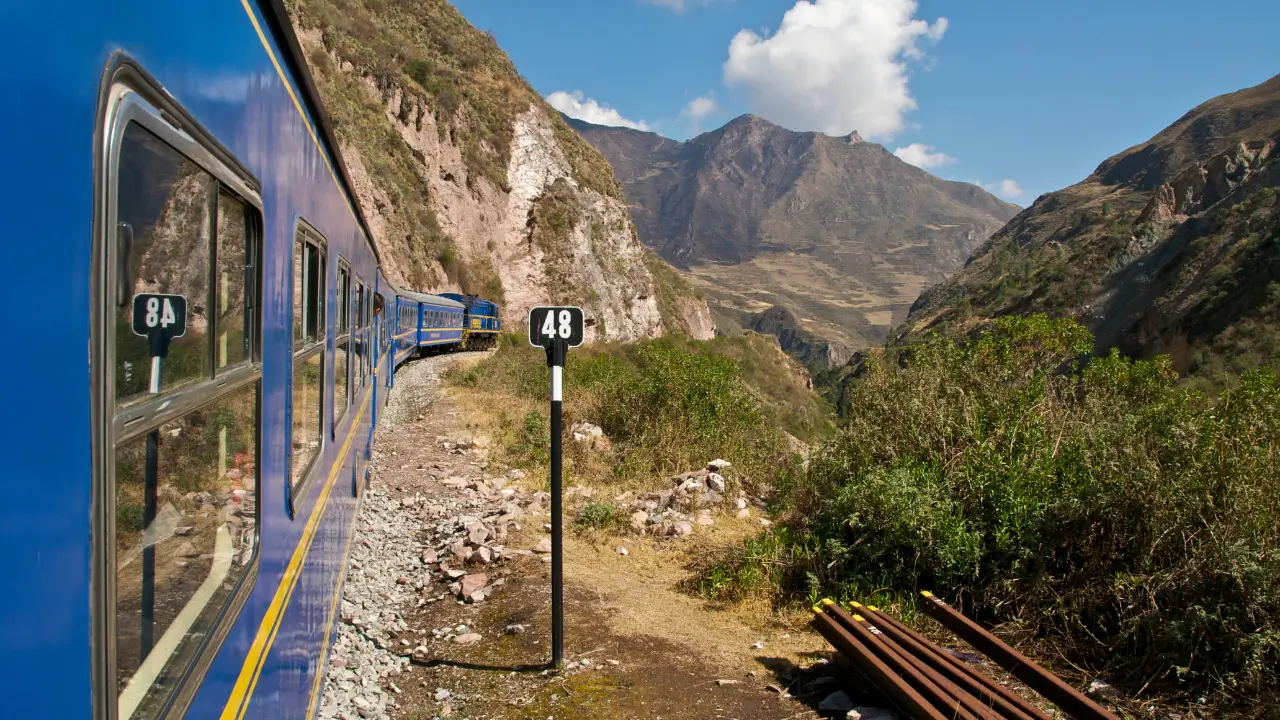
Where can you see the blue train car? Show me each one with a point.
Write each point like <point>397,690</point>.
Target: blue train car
<point>439,321</point>
<point>480,321</point>
<point>181,506</point>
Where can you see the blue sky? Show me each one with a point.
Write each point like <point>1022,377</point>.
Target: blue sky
<point>1023,97</point>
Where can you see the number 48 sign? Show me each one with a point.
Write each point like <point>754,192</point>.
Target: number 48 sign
<point>159,318</point>
<point>547,324</point>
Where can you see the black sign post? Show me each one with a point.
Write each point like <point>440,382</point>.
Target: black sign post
<point>160,319</point>
<point>556,329</point>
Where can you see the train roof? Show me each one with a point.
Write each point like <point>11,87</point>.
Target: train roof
<point>470,300</point>
<point>429,299</point>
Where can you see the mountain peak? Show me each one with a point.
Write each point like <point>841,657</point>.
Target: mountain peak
<point>811,207</point>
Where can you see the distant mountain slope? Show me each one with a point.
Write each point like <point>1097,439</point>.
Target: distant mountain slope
<point>1170,246</point>
<point>836,229</point>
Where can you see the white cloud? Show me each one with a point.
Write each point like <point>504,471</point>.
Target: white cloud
<point>588,110</point>
<point>699,108</point>
<point>1005,189</point>
<point>676,5</point>
<point>922,156</point>
<point>834,65</point>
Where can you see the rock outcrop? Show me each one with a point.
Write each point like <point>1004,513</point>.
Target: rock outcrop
<point>471,182</point>
<point>1200,186</point>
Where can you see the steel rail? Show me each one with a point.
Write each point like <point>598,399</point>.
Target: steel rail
<point>1075,703</point>
<point>943,693</point>
<point>881,675</point>
<point>990,692</point>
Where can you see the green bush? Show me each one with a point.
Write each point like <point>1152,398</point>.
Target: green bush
<point>595,516</point>
<point>1106,505</point>
<point>666,405</point>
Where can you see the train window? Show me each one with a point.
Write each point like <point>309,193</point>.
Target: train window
<point>177,529</point>
<point>342,346</point>
<point>235,274</point>
<point>185,536</point>
<point>308,355</point>
<point>164,214</point>
<point>358,341</point>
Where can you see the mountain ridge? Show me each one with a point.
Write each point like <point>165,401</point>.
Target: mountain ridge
<point>838,230</point>
<point>1170,246</point>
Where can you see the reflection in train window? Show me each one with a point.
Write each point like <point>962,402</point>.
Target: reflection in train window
<point>235,272</point>
<point>180,468</point>
<point>164,217</point>
<point>342,345</point>
<point>185,535</point>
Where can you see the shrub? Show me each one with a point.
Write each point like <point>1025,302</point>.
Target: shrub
<point>666,405</point>
<point>595,516</point>
<point>1105,505</point>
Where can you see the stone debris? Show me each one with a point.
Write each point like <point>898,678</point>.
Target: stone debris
<point>837,701</point>
<point>623,551</point>
<point>412,548</point>
<point>1102,690</point>
<point>692,500</point>
<point>543,546</point>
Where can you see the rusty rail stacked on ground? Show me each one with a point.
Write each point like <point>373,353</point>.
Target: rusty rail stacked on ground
<point>928,683</point>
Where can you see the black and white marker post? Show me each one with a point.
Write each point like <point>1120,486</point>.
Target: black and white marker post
<point>158,318</point>
<point>556,329</point>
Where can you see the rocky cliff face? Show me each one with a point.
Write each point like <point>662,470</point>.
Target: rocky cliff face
<point>471,182</point>
<point>815,353</point>
<point>837,230</point>
<point>1171,246</point>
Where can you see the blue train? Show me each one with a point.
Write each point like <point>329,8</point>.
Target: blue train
<point>180,500</point>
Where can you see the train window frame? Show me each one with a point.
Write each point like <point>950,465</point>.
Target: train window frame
<point>130,96</point>
<point>314,341</point>
<point>341,339</point>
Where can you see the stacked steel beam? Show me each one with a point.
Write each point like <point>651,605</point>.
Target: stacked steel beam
<point>926,682</point>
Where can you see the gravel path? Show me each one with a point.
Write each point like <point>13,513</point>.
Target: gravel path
<point>431,528</point>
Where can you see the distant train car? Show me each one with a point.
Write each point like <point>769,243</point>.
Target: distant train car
<point>439,321</point>
<point>182,505</point>
<point>480,320</point>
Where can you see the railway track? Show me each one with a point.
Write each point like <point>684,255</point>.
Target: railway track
<point>928,683</point>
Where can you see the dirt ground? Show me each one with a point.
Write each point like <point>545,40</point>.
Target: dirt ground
<point>636,646</point>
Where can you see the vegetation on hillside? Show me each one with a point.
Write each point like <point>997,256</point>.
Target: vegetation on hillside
<point>1134,521</point>
<point>665,405</point>
<point>1166,248</point>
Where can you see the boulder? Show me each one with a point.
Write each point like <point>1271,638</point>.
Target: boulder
<point>471,583</point>
<point>837,702</point>
<point>638,520</point>
<point>477,533</point>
